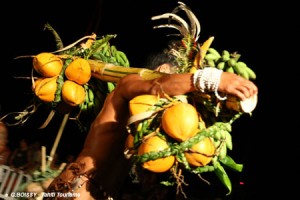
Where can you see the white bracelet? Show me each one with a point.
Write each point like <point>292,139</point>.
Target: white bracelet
<point>216,92</point>
<point>195,78</point>
<point>208,79</point>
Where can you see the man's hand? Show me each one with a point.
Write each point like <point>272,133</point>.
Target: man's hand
<point>233,84</point>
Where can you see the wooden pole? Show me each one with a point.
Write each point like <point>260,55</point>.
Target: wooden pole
<point>57,139</point>
<point>43,161</point>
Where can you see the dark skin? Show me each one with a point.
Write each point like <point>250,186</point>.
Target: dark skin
<point>103,149</point>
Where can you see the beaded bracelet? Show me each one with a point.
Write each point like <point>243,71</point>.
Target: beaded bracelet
<point>208,79</point>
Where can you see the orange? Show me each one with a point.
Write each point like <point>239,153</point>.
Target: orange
<point>156,144</point>
<point>142,103</point>
<point>45,88</point>
<point>73,93</point>
<point>79,71</point>
<point>47,64</point>
<point>201,153</point>
<point>180,121</point>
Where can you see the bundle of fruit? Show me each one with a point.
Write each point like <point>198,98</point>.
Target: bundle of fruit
<point>171,134</point>
<point>190,132</point>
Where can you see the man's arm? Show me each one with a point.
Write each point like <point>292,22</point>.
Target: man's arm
<point>113,117</point>
<point>177,84</point>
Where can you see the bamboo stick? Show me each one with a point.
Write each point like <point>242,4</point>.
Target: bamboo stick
<point>113,73</point>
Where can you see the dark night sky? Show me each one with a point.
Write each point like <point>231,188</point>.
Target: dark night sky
<point>243,27</point>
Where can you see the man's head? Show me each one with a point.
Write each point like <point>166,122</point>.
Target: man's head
<point>164,61</point>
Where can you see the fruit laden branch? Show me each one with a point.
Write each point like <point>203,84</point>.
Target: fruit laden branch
<point>189,132</point>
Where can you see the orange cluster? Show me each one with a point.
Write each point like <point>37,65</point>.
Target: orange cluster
<point>50,67</point>
<point>180,121</point>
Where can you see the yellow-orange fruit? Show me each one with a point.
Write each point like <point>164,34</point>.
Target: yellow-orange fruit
<point>79,71</point>
<point>73,93</point>
<point>180,121</point>
<point>45,88</point>
<point>201,153</point>
<point>142,103</point>
<point>47,64</point>
<point>156,144</point>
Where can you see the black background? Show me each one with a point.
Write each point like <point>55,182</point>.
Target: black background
<point>248,27</point>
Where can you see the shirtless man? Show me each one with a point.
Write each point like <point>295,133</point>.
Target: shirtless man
<point>100,169</point>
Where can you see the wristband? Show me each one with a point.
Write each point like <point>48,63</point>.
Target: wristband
<point>208,80</point>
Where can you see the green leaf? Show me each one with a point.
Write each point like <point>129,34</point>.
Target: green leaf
<point>230,163</point>
<point>222,175</point>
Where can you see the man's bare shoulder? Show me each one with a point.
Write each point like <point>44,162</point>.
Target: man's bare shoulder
<point>129,79</point>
